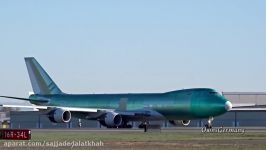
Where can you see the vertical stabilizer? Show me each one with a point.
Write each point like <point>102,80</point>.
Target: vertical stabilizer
<point>40,81</point>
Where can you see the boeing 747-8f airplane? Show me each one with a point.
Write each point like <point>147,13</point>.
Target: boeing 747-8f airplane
<point>116,110</point>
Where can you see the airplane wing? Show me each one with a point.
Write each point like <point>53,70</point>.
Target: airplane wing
<point>95,113</point>
<point>248,107</point>
<point>145,112</point>
<point>244,104</point>
<point>78,109</point>
<point>98,111</point>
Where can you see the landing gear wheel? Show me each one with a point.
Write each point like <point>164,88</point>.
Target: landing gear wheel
<point>209,124</point>
<point>125,126</point>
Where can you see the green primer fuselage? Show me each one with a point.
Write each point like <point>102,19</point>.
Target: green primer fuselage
<point>180,104</point>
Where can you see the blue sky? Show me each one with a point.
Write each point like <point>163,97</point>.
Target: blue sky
<point>134,46</point>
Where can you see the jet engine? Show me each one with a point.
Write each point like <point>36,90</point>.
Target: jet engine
<point>113,119</point>
<point>59,115</point>
<point>180,122</point>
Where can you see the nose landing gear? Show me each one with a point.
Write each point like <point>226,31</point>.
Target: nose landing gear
<point>209,124</point>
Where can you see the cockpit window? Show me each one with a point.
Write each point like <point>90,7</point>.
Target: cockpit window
<point>213,93</point>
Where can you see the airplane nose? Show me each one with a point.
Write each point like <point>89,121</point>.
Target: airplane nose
<point>228,105</point>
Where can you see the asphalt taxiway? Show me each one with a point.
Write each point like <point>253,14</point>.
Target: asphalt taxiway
<point>178,129</point>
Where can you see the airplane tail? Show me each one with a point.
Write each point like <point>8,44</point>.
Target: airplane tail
<point>41,82</point>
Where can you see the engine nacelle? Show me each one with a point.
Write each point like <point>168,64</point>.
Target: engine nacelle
<point>59,115</point>
<point>113,119</point>
<point>180,122</point>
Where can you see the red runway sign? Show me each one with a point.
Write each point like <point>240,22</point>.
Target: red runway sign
<point>15,134</point>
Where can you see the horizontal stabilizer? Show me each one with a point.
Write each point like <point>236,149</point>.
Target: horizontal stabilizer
<point>18,98</point>
<point>26,99</point>
<point>73,109</point>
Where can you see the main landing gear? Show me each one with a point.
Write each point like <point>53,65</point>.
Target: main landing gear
<point>209,124</point>
<point>79,123</point>
<point>150,127</point>
<point>144,125</point>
